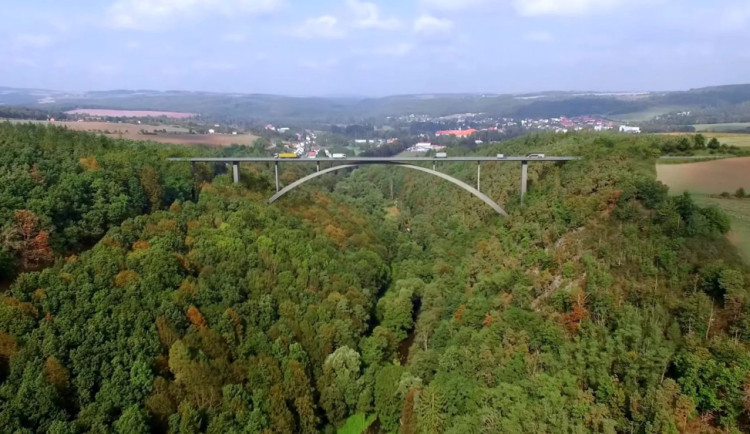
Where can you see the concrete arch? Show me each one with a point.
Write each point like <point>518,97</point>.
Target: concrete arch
<point>448,178</point>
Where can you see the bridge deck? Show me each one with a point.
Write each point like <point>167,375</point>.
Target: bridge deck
<point>351,160</point>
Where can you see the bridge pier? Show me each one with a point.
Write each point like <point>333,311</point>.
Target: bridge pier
<point>524,178</point>
<point>276,172</point>
<point>479,175</point>
<point>317,165</point>
<point>236,171</point>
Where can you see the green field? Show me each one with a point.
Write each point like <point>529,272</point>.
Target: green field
<point>730,139</point>
<point>705,180</point>
<point>647,114</point>
<point>739,212</point>
<point>728,127</point>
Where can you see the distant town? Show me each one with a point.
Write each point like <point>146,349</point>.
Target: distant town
<point>427,137</point>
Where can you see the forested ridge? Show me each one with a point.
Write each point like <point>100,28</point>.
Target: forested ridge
<point>602,304</point>
<point>60,191</point>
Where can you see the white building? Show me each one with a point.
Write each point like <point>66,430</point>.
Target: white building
<point>422,147</point>
<point>630,130</point>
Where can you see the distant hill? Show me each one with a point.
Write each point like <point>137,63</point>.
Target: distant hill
<point>276,108</point>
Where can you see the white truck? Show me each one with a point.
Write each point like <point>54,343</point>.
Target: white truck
<point>339,156</point>
<point>441,155</point>
<point>500,156</point>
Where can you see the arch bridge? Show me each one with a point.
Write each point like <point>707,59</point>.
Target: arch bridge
<point>406,162</point>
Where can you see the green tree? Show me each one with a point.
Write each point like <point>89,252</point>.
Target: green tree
<point>699,141</point>
<point>340,384</point>
<point>133,420</point>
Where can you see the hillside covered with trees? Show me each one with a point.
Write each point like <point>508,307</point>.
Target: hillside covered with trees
<point>602,304</point>
<point>60,191</point>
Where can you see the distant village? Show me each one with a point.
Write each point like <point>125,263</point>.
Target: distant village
<point>465,126</point>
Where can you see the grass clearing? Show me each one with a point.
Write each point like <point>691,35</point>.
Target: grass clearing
<point>175,135</point>
<point>730,139</point>
<point>719,128</point>
<point>739,213</point>
<point>714,177</point>
<point>647,114</point>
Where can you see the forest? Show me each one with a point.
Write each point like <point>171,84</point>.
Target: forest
<point>374,297</point>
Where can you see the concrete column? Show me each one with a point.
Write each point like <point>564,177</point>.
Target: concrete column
<point>236,171</point>
<point>479,175</point>
<point>276,171</point>
<point>524,178</point>
<point>433,165</point>
<point>317,165</point>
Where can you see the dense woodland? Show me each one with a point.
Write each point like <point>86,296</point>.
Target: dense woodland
<point>602,304</point>
<point>60,191</point>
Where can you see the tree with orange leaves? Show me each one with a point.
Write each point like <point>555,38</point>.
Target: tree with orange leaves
<point>27,239</point>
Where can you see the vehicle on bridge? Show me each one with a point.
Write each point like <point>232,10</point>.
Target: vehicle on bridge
<point>286,155</point>
<point>338,156</point>
<point>441,155</point>
<point>500,156</point>
<point>535,155</point>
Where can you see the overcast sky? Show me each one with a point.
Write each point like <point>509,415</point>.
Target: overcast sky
<point>355,47</point>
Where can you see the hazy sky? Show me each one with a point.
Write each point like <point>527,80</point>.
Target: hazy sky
<point>354,47</point>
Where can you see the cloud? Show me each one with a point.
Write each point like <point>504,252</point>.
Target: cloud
<point>453,5</point>
<point>322,27</point>
<point>396,50</point>
<point>320,65</point>
<point>31,41</point>
<point>104,68</point>
<point>538,37</point>
<point>367,16</point>
<point>563,7</point>
<point>153,14</point>
<point>735,17</point>
<point>234,37</point>
<point>427,25</point>
<point>215,66</point>
<point>535,7</point>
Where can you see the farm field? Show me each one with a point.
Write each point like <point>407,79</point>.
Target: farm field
<point>727,127</point>
<point>645,115</point>
<point>739,213</point>
<point>730,139</point>
<point>174,135</point>
<point>130,113</point>
<point>708,177</point>
<point>714,177</point>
